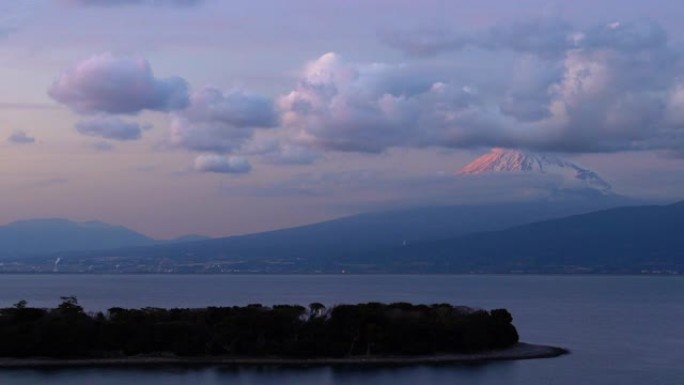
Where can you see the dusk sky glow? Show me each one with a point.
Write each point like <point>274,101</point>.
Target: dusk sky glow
<point>227,117</point>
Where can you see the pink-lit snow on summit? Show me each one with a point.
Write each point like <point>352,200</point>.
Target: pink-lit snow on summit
<point>509,160</point>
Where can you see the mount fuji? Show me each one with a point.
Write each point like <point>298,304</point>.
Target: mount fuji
<point>500,160</point>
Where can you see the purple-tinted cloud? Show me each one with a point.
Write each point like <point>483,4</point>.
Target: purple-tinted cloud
<point>617,87</point>
<point>369,107</point>
<point>110,128</point>
<point>221,122</point>
<point>20,137</point>
<point>117,85</point>
<point>222,164</point>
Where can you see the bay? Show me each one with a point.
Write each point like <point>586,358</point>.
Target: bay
<point>621,329</point>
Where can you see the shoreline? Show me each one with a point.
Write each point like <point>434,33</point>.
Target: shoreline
<point>520,351</point>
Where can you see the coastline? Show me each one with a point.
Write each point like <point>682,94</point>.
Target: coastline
<point>520,351</point>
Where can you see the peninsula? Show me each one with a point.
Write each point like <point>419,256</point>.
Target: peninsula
<point>370,334</point>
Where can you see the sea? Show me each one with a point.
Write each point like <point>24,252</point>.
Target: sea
<point>621,330</point>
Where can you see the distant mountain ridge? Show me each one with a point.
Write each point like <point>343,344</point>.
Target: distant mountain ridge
<point>313,248</point>
<point>620,240</point>
<point>50,235</point>
<point>500,160</point>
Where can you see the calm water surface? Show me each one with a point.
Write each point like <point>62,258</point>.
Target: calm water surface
<point>622,330</point>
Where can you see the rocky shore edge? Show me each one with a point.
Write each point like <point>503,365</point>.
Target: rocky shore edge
<point>520,351</point>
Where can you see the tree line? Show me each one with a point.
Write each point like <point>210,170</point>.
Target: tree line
<point>68,331</point>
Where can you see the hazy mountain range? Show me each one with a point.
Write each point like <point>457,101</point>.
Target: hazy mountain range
<point>568,231</point>
<point>40,236</point>
<point>621,240</point>
<point>411,241</point>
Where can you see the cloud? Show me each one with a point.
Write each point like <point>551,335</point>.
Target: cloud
<point>369,190</point>
<point>102,146</point>
<point>222,164</point>
<point>626,37</point>
<point>50,182</point>
<point>365,108</point>
<point>113,3</point>
<point>425,42</point>
<point>110,128</point>
<point>221,122</point>
<point>117,85</point>
<point>20,137</point>
<point>13,16</point>
<point>541,36</point>
<point>26,106</point>
<point>318,184</point>
<point>291,154</point>
<point>282,152</point>
<point>548,37</point>
<point>614,87</point>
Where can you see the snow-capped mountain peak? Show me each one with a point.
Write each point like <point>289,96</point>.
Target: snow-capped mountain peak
<point>508,160</point>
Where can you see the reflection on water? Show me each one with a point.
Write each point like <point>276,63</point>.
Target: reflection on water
<point>621,330</point>
<point>473,374</point>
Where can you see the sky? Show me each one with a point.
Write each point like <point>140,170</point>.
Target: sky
<point>222,117</point>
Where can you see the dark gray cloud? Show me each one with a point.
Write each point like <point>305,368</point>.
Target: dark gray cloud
<point>221,122</point>
<point>21,137</point>
<point>222,164</point>
<point>615,87</point>
<point>113,3</point>
<point>117,85</point>
<point>110,128</point>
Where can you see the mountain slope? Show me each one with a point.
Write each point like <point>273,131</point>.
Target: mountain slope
<point>628,240</point>
<point>37,236</point>
<point>312,247</point>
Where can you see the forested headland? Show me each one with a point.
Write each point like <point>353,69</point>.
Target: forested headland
<point>287,331</point>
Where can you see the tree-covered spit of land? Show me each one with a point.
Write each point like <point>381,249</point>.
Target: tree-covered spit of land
<point>286,331</point>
